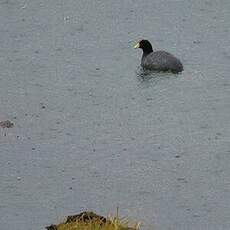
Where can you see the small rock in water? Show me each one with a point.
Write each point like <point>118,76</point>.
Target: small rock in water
<point>6,124</point>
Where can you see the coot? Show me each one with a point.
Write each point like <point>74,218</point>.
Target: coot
<point>158,60</point>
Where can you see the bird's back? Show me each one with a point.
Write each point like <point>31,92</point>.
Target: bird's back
<point>162,61</point>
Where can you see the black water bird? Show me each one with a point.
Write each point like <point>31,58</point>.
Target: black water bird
<point>158,60</point>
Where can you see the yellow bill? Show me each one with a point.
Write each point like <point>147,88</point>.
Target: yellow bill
<point>137,46</point>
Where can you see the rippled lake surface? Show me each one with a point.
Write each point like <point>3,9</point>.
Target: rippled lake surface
<point>92,131</point>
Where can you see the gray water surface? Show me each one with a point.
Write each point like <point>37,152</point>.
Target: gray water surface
<point>93,132</point>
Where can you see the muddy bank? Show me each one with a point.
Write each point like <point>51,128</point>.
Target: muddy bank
<point>90,220</point>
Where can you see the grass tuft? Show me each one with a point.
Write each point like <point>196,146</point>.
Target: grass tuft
<point>91,221</point>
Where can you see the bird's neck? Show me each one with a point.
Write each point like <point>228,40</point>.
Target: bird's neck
<point>146,52</point>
